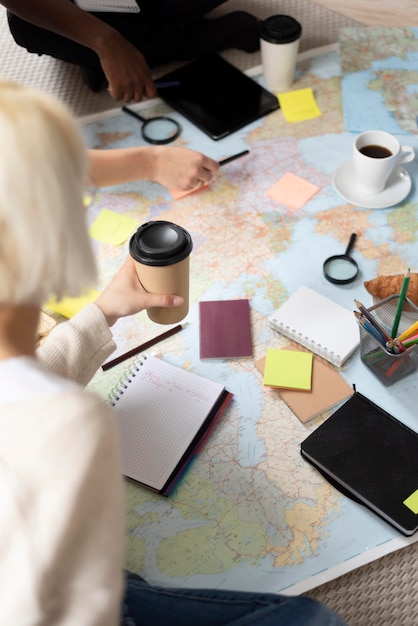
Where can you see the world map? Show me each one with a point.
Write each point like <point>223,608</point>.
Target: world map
<point>380,78</point>
<point>250,513</point>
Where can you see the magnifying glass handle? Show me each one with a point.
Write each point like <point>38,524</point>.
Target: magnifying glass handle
<point>351,244</point>
<point>133,113</point>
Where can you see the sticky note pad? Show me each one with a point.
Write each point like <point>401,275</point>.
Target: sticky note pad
<point>288,368</point>
<point>412,502</point>
<point>299,105</point>
<point>67,307</point>
<point>110,227</point>
<point>292,191</point>
<point>177,195</point>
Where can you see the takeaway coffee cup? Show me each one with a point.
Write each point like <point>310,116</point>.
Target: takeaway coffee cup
<point>161,251</point>
<point>376,154</point>
<point>279,43</point>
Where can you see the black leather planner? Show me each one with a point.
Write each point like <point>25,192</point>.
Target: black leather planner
<point>372,458</point>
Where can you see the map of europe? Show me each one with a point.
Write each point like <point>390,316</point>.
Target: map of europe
<point>380,78</point>
<point>250,513</point>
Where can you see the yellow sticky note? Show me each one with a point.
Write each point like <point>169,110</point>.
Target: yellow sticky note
<point>292,191</point>
<point>110,227</point>
<point>288,368</point>
<point>70,306</point>
<point>412,502</point>
<point>299,105</point>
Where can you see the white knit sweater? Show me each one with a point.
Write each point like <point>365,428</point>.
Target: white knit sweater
<point>61,503</point>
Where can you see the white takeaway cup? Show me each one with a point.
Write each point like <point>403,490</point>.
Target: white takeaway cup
<point>279,45</point>
<point>376,153</point>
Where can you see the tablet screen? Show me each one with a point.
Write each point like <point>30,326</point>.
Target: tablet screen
<point>216,96</point>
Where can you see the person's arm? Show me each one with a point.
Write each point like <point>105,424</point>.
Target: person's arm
<point>175,168</point>
<point>126,69</point>
<point>77,348</point>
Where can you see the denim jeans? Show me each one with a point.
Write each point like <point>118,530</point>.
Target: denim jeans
<point>146,605</point>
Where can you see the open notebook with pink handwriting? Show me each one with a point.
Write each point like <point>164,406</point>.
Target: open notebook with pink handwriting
<point>165,414</point>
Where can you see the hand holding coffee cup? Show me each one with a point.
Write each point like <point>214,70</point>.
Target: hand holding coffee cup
<point>376,154</point>
<point>161,251</point>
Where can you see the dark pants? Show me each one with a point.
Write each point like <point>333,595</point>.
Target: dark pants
<point>147,605</point>
<point>164,30</point>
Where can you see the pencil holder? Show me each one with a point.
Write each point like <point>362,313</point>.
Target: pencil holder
<point>389,367</point>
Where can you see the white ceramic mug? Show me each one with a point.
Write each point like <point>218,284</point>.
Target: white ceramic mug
<point>376,154</point>
<point>279,44</point>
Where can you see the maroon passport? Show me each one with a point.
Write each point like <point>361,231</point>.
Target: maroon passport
<point>225,329</point>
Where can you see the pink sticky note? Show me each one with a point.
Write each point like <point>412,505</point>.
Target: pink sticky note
<point>292,191</point>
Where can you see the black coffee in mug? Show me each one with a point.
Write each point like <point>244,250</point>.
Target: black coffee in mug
<point>375,152</point>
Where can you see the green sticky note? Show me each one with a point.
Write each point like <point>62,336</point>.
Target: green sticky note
<point>67,307</point>
<point>289,369</point>
<point>412,502</point>
<point>110,227</point>
<point>299,105</point>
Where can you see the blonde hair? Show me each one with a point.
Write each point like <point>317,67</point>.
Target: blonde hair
<point>44,245</point>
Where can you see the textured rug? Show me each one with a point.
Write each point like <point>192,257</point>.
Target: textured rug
<point>384,592</point>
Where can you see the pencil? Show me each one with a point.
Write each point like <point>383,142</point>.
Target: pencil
<point>372,320</point>
<point>408,332</point>
<point>233,157</point>
<point>401,301</point>
<point>144,346</point>
<point>370,328</point>
<point>410,342</point>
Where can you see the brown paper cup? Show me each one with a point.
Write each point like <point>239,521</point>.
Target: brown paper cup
<point>161,252</point>
<point>171,279</point>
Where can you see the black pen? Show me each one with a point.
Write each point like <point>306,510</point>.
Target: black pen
<point>233,157</point>
<point>166,84</point>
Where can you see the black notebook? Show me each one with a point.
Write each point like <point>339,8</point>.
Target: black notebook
<point>164,415</point>
<point>216,96</point>
<point>372,458</point>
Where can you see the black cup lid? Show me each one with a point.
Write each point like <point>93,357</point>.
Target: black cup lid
<point>280,29</point>
<point>160,243</point>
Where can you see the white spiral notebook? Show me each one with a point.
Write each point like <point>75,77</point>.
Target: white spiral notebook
<point>165,414</point>
<point>319,324</point>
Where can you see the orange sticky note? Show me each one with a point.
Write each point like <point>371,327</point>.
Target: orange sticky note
<point>181,194</point>
<point>292,191</point>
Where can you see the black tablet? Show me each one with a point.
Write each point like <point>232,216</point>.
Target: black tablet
<point>216,96</point>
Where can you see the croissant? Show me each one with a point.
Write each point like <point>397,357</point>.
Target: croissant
<point>384,286</point>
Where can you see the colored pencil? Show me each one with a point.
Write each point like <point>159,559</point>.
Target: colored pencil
<point>410,342</point>
<point>370,328</point>
<point>408,332</point>
<point>401,301</point>
<point>372,320</point>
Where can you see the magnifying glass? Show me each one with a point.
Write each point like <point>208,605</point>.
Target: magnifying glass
<point>341,268</point>
<point>157,130</point>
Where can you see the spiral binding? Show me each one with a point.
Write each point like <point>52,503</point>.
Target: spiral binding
<point>118,390</point>
<point>306,342</point>
<point>99,5</point>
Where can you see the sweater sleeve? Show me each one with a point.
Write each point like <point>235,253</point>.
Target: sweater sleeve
<point>77,348</point>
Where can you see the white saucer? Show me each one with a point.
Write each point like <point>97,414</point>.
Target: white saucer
<point>398,187</point>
